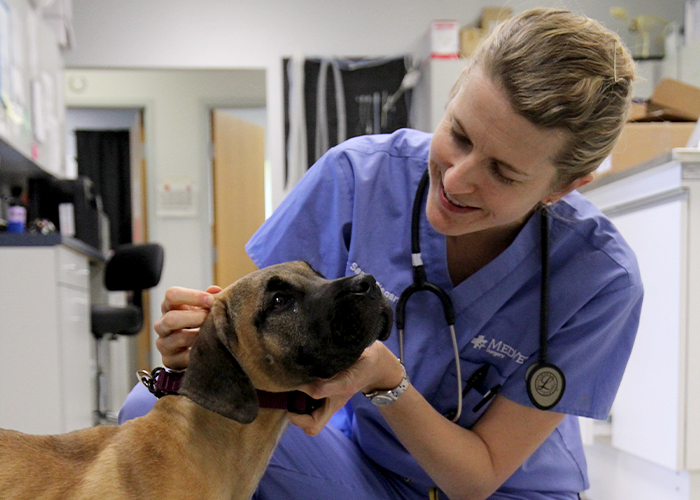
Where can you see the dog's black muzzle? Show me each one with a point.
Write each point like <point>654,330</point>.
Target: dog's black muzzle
<point>358,314</point>
<point>360,298</point>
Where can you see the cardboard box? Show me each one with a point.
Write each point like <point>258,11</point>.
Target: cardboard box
<point>656,127</point>
<point>677,99</point>
<point>470,38</point>
<point>491,16</point>
<point>643,141</point>
<point>638,112</point>
<point>671,100</point>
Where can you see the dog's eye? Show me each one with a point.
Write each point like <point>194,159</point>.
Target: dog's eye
<point>280,300</point>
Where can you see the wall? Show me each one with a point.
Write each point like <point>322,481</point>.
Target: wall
<point>176,106</point>
<point>242,34</point>
<point>226,34</point>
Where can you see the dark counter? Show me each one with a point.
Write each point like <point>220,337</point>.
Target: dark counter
<point>49,240</point>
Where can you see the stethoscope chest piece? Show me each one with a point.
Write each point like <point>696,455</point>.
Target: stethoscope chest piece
<point>544,381</point>
<point>545,385</point>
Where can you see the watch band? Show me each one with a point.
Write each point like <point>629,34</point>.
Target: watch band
<point>385,398</point>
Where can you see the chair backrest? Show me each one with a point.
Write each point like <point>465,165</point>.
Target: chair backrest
<point>134,267</point>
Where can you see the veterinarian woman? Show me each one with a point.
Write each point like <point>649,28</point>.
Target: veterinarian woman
<point>539,107</point>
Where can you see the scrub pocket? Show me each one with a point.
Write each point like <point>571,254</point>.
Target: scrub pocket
<point>475,400</point>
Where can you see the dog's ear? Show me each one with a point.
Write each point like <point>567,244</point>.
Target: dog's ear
<point>214,378</point>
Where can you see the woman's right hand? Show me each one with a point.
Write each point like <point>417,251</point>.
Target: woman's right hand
<point>184,310</point>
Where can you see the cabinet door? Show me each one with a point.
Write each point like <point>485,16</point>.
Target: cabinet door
<point>76,358</point>
<point>73,268</point>
<point>30,399</point>
<point>649,408</point>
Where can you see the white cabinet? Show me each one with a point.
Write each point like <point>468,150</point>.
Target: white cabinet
<point>32,115</point>
<point>46,348</point>
<point>656,415</point>
<point>431,94</point>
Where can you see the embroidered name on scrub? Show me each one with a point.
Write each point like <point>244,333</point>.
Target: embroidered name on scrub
<point>498,349</point>
<point>390,296</point>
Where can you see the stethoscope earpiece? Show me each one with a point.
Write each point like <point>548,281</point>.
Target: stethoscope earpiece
<point>545,384</point>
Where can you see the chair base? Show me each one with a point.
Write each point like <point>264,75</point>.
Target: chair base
<point>102,416</point>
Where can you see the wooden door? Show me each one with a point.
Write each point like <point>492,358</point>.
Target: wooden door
<point>139,228</point>
<point>239,193</point>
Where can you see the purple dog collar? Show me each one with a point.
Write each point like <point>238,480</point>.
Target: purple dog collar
<point>161,382</point>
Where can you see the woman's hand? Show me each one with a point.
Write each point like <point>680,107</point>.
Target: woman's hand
<point>376,369</point>
<point>183,311</point>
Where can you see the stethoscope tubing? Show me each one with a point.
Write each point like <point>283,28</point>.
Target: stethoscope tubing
<point>544,285</point>
<point>421,283</point>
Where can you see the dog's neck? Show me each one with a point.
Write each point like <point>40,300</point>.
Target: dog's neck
<point>236,446</point>
<point>162,382</point>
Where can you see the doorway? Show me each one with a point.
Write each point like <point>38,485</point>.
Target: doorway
<point>126,126</point>
<point>177,108</point>
<point>238,188</point>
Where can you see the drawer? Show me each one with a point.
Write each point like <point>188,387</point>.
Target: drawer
<point>73,268</point>
<point>76,358</point>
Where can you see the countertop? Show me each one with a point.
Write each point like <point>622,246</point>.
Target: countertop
<point>47,240</point>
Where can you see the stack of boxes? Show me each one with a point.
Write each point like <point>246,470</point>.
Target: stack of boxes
<point>470,36</point>
<point>656,126</point>
<point>448,41</point>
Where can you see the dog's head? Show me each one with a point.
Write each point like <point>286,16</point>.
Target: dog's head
<point>277,329</point>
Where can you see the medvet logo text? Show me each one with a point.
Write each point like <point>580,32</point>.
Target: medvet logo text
<point>498,349</point>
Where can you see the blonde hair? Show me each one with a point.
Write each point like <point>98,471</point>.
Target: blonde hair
<point>562,71</point>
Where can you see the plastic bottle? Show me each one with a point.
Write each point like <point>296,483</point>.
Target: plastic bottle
<point>16,212</point>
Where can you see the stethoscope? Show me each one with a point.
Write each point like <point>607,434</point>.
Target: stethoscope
<point>545,381</point>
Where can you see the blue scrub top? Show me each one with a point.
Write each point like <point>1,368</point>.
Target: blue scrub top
<point>351,213</point>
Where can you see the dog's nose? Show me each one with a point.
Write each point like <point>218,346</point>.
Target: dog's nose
<point>360,284</point>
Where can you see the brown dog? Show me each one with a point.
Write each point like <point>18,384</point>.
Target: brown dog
<point>274,330</point>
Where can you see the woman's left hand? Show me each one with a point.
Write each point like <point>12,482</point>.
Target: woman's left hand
<point>377,368</point>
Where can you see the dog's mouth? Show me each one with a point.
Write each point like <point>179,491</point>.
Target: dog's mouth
<point>340,320</point>
<point>362,313</point>
<point>386,322</point>
<point>358,323</point>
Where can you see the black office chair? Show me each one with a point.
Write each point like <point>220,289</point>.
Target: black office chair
<point>132,268</point>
